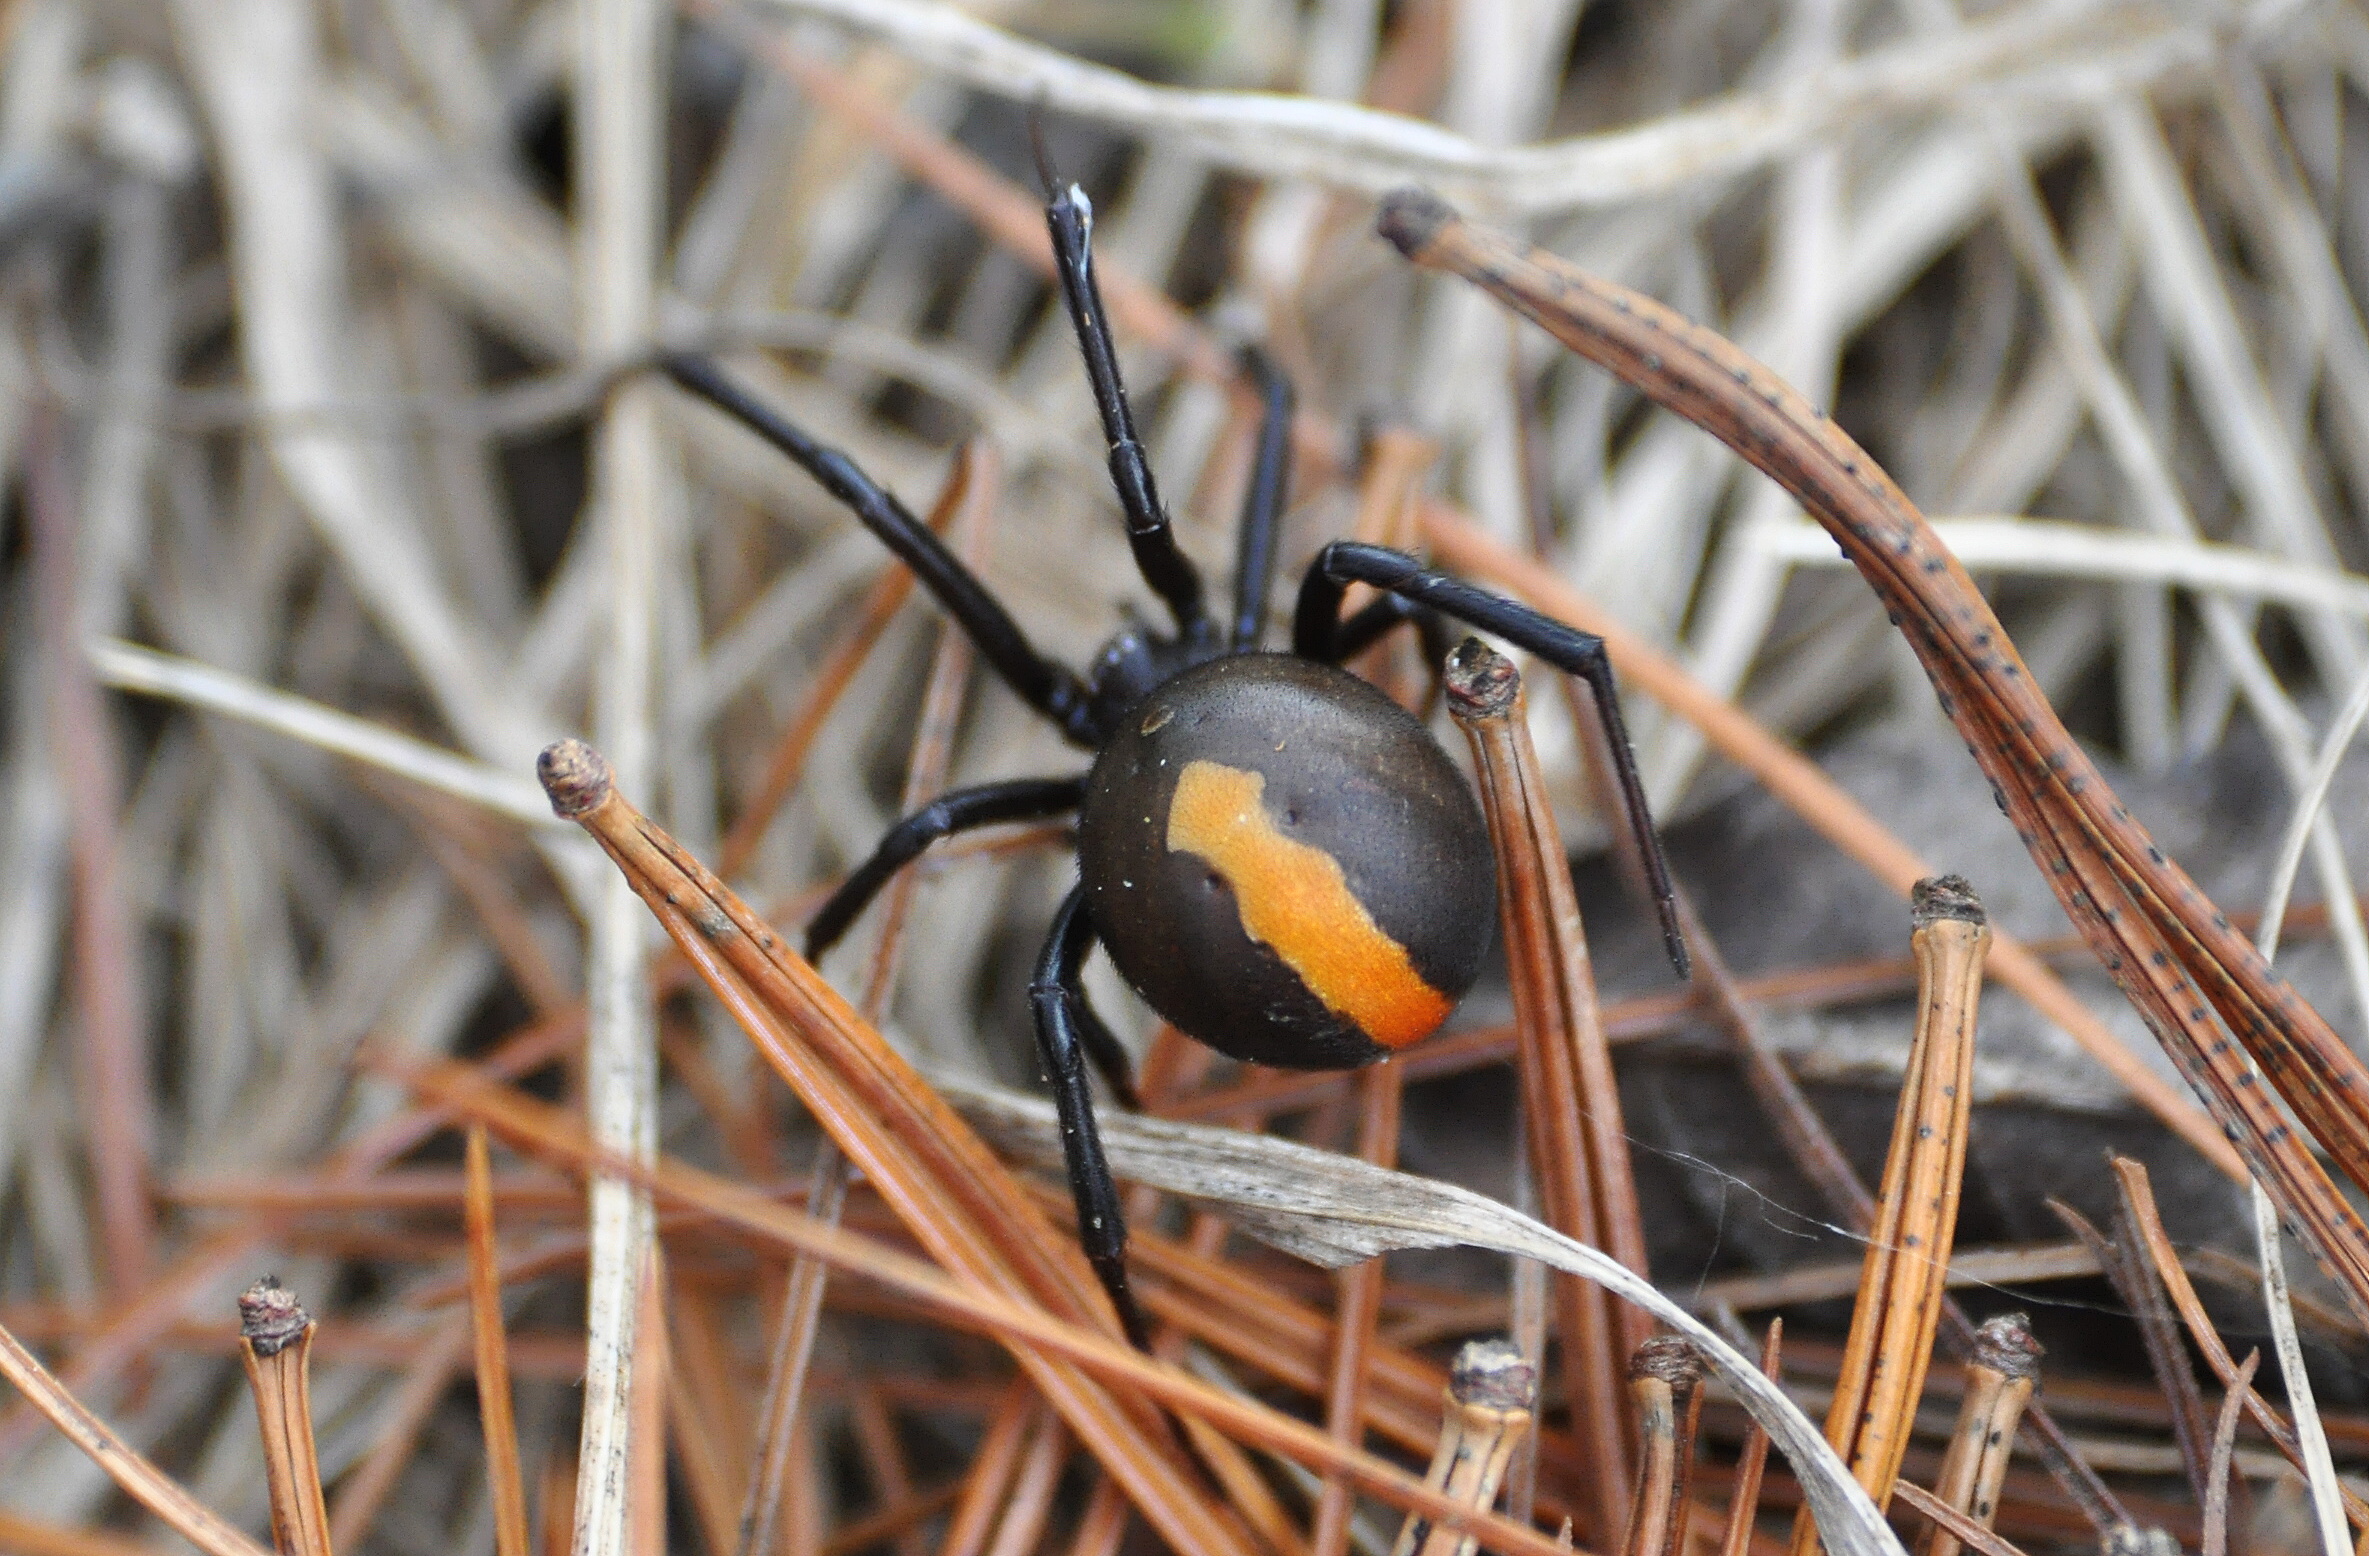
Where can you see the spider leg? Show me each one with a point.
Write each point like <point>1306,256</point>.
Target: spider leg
<point>1318,633</point>
<point>1069,216</point>
<point>1045,685</point>
<point>1262,505</point>
<point>957,810</point>
<point>1058,1001</point>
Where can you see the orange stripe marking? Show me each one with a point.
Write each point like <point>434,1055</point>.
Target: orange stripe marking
<point>1295,901</point>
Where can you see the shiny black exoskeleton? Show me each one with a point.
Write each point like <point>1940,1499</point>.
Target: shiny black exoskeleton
<point>1282,861</point>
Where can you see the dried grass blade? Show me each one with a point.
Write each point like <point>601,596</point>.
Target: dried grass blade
<point>1579,1158</point>
<point>2216,1494</point>
<point>941,1181</point>
<point>504,1477</point>
<point>2175,956</point>
<point>1900,1294</point>
<point>275,1345</point>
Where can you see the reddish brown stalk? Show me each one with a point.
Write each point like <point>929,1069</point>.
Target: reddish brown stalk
<point>1947,1518</point>
<point>955,1198</point>
<point>897,1521</point>
<point>31,1537</point>
<point>699,1418</point>
<point>884,1456</point>
<point>646,1407</point>
<point>131,1330</point>
<point>1030,1332</point>
<point>1813,1150</point>
<point>2187,971</point>
<point>1380,1088</point>
<point>275,1342</point>
<point>2139,1194</point>
<point>1665,1381</point>
<point>1900,1295</point>
<point>2000,1377</point>
<point>1579,1157</point>
<point>1030,1503</point>
<point>964,508</point>
<point>504,1476</point>
<point>362,1493</point>
<point>991,1471</point>
<point>2123,1261</point>
<point>1743,1498</point>
<point>1491,1394</point>
<point>470,849</point>
<point>1396,461</point>
<point>110,1058</point>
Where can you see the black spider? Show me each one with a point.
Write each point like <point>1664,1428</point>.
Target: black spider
<point>1282,861</point>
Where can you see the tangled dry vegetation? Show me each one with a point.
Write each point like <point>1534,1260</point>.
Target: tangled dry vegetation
<point>340,486</point>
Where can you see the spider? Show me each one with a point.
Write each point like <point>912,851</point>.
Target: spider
<point>1282,861</point>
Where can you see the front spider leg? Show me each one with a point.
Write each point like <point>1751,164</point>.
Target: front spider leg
<point>1319,633</point>
<point>1063,1026</point>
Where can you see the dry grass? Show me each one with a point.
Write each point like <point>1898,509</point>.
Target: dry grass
<point>339,490</point>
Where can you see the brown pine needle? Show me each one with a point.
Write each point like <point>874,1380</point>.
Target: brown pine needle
<point>1490,1396</point>
<point>504,1476</point>
<point>1579,1158</point>
<point>1666,1381</point>
<point>958,1201</point>
<point>2140,1195</point>
<point>361,1494</point>
<point>2184,968</point>
<point>1743,1501</point>
<point>2000,1377</point>
<point>1944,1516</point>
<point>1029,1331</point>
<point>275,1340</point>
<point>1899,1307</point>
<point>1380,1088</point>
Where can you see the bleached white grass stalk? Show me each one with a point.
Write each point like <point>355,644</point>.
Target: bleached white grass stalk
<point>2038,54</point>
<point>619,102</point>
<point>513,796</point>
<point>2049,548</point>
<point>2326,1499</point>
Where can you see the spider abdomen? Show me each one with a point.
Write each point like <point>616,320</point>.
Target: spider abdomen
<point>1285,864</point>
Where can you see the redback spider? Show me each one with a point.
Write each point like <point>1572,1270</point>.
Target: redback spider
<point>1280,859</point>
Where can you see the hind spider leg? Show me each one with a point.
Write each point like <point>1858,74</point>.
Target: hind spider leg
<point>1058,1001</point>
<point>1319,633</point>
